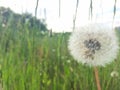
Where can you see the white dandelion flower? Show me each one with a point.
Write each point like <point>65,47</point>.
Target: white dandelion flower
<point>94,45</point>
<point>114,74</point>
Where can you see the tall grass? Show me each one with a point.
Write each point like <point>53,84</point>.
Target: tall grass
<point>46,65</point>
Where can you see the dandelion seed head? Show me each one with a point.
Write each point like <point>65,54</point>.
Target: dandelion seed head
<point>94,45</point>
<point>114,74</point>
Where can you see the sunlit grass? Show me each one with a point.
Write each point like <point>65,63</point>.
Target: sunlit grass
<point>43,63</point>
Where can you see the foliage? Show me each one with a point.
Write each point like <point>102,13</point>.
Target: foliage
<point>31,61</point>
<point>10,19</point>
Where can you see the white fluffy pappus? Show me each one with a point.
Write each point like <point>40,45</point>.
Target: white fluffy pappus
<point>114,74</point>
<point>94,45</point>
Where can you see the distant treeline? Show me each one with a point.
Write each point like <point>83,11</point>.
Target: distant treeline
<point>10,19</point>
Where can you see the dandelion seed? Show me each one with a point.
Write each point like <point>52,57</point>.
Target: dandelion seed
<point>94,45</point>
<point>114,74</point>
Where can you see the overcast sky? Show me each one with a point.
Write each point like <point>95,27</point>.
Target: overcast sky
<point>102,11</point>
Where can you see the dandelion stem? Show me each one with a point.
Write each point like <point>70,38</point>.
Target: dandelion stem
<point>97,78</point>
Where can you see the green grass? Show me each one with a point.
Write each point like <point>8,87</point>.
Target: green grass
<point>32,61</point>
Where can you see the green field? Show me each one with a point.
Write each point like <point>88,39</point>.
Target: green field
<point>30,60</point>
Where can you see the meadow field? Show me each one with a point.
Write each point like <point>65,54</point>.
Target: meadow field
<point>32,60</point>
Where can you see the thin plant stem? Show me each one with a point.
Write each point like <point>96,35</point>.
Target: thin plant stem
<point>97,78</point>
<point>74,19</point>
<point>91,10</point>
<point>36,8</point>
<point>59,8</point>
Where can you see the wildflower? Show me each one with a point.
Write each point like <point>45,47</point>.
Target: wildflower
<point>94,45</point>
<point>114,74</point>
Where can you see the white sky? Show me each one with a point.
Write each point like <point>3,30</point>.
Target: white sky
<point>102,11</point>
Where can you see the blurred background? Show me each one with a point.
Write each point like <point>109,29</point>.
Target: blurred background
<point>59,15</point>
